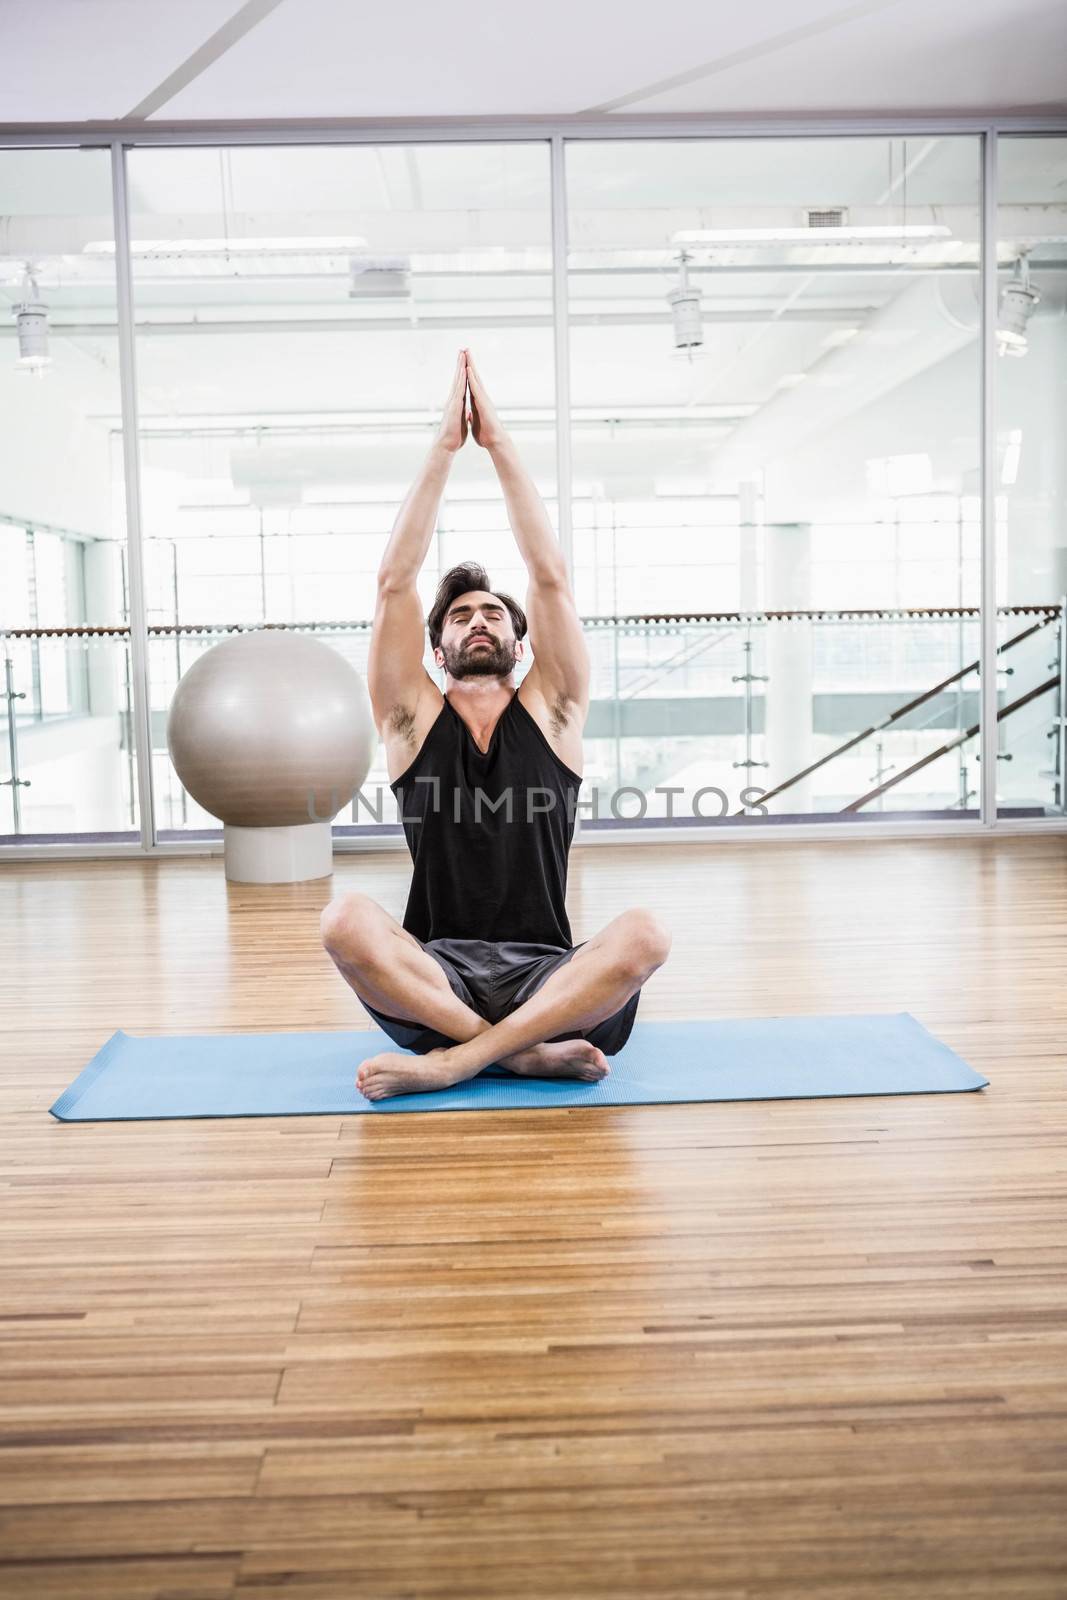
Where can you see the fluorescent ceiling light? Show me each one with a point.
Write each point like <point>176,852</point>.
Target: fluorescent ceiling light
<point>160,425</point>
<point>840,336</point>
<point>231,247</point>
<point>918,230</point>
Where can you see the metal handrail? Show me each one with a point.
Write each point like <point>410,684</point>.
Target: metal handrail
<point>901,711</point>
<point>875,614</point>
<point>953,744</point>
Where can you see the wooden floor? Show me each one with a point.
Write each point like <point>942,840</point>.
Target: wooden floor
<point>812,1348</point>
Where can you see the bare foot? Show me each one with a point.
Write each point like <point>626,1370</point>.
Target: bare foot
<point>567,1058</point>
<point>386,1074</point>
<point>392,1073</point>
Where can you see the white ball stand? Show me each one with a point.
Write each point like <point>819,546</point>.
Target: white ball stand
<point>278,855</point>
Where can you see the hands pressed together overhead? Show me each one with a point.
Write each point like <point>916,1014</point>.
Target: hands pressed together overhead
<point>469,391</point>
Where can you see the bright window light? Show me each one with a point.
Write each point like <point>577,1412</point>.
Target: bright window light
<point>230,247</point>
<point>917,230</point>
<point>1009,470</point>
<point>889,477</point>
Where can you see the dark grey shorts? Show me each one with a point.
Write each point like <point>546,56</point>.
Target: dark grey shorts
<point>494,978</point>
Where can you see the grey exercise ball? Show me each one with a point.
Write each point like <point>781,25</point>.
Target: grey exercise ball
<point>271,729</point>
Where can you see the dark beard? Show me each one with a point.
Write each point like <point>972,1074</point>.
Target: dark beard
<point>497,661</point>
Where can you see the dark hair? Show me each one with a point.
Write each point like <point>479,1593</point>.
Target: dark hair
<point>459,580</point>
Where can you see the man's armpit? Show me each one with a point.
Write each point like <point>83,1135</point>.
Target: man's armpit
<point>400,721</point>
<point>560,711</point>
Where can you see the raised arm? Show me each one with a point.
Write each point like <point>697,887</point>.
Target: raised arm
<point>561,656</point>
<point>396,677</point>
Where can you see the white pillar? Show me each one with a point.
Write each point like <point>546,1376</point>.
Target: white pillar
<point>1032,424</point>
<point>790,742</point>
<point>748,518</point>
<point>103,606</point>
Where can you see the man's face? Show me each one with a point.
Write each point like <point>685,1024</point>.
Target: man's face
<point>477,637</point>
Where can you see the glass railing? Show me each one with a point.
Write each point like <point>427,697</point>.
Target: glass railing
<point>738,719</point>
<point>67,767</point>
<point>833,715</point>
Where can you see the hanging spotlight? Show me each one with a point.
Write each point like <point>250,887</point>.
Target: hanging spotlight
<point>31,325</point>
<point>685,310</point>
<point>1017,302</point>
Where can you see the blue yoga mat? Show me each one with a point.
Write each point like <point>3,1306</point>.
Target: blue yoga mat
<point>308,1074</point>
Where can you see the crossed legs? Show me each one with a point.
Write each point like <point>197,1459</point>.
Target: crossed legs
<point>389,969</point>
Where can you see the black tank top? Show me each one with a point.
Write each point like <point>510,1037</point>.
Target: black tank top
<point>489,832</point>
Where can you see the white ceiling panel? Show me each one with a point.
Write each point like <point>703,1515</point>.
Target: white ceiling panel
<point>904,55</point>
<point>87,60</point>
<point>325,58</point>
<point>222,60</point>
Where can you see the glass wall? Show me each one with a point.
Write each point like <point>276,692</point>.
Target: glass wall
<point>775,382</point>
<point>775,436</point>
<point>1030,401</point>
<point>66,759</point>
<point>298,315</point>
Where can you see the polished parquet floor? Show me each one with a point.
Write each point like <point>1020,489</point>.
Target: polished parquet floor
<point>812,1348</point>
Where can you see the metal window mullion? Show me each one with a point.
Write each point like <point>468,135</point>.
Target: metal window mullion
<point>141,730</point>
<point>561,331</point>
<point>509,128</point>
<point>988,733</point>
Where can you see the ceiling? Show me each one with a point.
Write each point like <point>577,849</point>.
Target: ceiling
<point>266,60</point>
